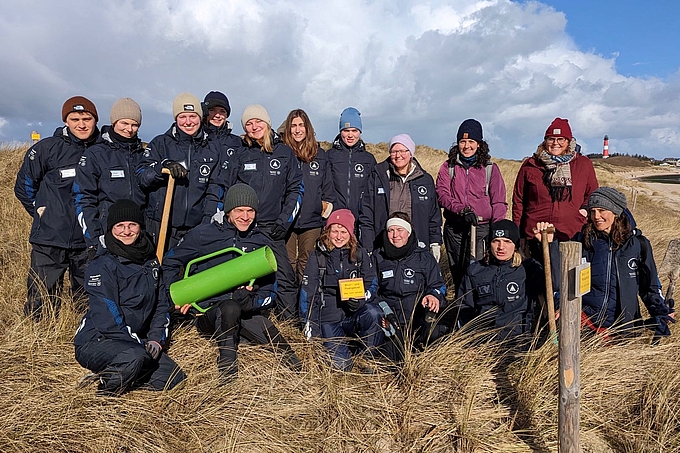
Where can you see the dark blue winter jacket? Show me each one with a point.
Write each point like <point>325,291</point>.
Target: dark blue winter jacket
<point>350,169</point>
<point>503,295</point>
<point>106,174</point>
<point>44,186</point>
<point>206,239</point>
<point>200,156</point>
<point>403,283</point>
<point>318,186</point>
<point>275,177</point>
<point>123,301</point>
<point>426,216</point>
<point>618,276</point>
<point>320,295</point>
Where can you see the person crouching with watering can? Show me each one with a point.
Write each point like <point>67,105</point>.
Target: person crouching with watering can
<point>233,311</point>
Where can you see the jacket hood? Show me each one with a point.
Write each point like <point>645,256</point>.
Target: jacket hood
<point>106,137</point>
<point>65,133</point>
<point>224,129</point>
<point>339,144</point>
<point>180,136</point>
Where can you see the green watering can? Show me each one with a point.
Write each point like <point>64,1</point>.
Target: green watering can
<point>221,278</point>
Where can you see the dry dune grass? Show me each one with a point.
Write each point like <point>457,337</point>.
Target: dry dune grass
<point>453,397</point>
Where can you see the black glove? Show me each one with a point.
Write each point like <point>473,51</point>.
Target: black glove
<point>244,298</point>
<point>177,170</point>
<point>353,304</point>
<point>660,325</point>
<point>91,253</point>
<point>154,349</point>
<point>278,232</point>
<point>469,216</point>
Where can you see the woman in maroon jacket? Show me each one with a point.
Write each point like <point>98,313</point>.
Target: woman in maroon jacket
<point>553,186</point>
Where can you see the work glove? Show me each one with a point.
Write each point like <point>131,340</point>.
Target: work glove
<point>469,216</point>
<point>244,298</point>
<point>91,253</point>
<point>326,208</point>
<point>436,250</point>
<point>154,349</point>
<point>177,170</point>
<point>278,232</point>
<point>353,304</point>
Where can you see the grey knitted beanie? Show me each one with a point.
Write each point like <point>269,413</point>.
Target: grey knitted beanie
<point>126,108</point>
<point>608,198</point>
<point>240,195</point>
<point>186,102</point>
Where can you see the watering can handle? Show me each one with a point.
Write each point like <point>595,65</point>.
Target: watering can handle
<point>205,257</point>
<point>211,255</point>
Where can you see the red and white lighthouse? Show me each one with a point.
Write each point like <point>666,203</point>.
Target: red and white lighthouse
<point>605,150</point>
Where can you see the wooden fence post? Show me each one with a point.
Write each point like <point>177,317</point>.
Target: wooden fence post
<point>569,351</point>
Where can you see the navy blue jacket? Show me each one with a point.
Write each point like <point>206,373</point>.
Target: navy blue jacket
<point>123,301</point>
<point>426,216</point>
<point>618,277</point>
<point>208,238</point>
<point>106,174</point>
<point>329,308</point>
<point>227,142</point>
<point>506,295</point>
<point>275,177</point>
<point>403,283</point>
<point>318,186</point>
<point>45,180</point>
<point>200,156</point>
<point>350,168</point>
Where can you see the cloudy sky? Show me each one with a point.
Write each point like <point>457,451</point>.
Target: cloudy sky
<point>419,67</point>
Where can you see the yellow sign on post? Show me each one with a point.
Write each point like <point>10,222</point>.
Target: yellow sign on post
<point>579,280</point>
<point>35,136</point>
<point>352,288</point>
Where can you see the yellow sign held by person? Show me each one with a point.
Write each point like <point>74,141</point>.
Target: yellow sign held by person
<point>352,288</point>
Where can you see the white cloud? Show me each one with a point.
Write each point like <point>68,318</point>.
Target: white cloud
<point>409,66</point>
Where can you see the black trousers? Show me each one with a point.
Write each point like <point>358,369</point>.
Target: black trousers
<point>125,365</point>
<point>173,235</point>
<point>226,323</point>
<point>287,288</point>
<point>46,277</point>
<point>457,242</point>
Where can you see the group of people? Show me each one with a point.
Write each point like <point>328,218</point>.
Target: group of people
<point>357,243</point>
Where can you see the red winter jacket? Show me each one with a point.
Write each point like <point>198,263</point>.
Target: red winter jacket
<point>531,202</point>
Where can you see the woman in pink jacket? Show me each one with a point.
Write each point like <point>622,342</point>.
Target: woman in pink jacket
<point>472,192</point>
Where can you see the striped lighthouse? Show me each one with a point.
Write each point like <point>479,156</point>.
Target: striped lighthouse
<point>605,150</point>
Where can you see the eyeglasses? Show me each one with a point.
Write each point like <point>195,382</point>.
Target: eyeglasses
<point>403,152</point>
<point>558,140</point>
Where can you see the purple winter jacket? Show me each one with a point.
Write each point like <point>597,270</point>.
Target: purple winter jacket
<point>467,189</point>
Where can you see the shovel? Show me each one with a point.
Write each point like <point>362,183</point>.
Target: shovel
<point>550,301</point>
<point>165,219</point>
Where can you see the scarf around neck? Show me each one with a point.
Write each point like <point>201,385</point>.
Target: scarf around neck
<point>397,253</point>
<point>557,176</point>
<point>141,251</point>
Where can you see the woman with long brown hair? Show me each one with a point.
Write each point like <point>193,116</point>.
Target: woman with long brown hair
<point>622,267</point>
<point>298,133</point>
